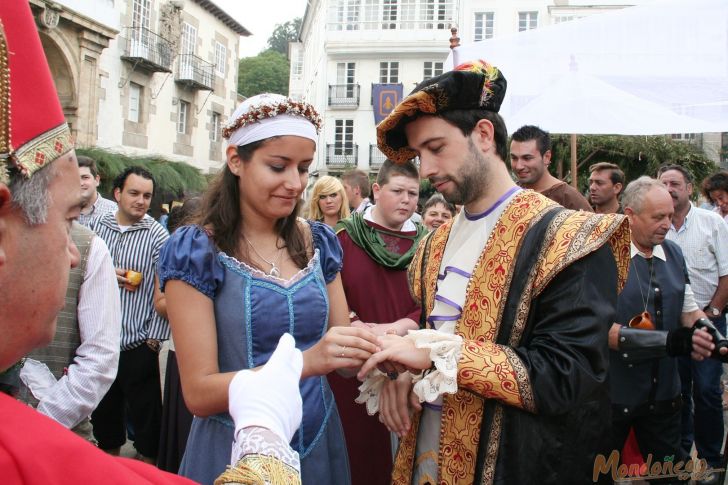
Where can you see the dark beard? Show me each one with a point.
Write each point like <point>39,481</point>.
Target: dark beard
<point>472,178</point>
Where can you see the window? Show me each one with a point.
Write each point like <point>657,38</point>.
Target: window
<point>297,67</point>
<point>183,112</point>
<point>438,14</point>
<point>407,14</point>
<point>140,13</point>
<point>345,72</point>
<point>189,39</point>
<point>483,26</point>
<point>140,40</point>
<point>220,58</point>
<point>564,18</point>
<point>683,136</point>
<point>527,21</point>
<point>432,69</point>
<point>389,72</point>
<point>389,14</point>
<point>344,14</point>
<point>135,94</point>
<point>215,127</point>
<point>344,137</point>
<point>371,14</point>
<point>352,14</point>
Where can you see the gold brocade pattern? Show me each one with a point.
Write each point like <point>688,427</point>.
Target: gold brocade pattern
<point>420,101</point>
<point>486,370</point>
<point>404,461</point>
<point>462,415</point>
<point>580,234</point>
<point>569,237</point>
<point>259,470</point>
<point>491,453</point>
<point>5,147</point>
<point>436,252</point>
<point>43,149</point>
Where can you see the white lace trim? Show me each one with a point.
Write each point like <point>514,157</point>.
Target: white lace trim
<point>262,441</point>
<point>445,353</point>
<point>286,283</point>
<point>370,389</point>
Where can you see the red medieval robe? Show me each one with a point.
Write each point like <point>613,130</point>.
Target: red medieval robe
<point>378,295</point>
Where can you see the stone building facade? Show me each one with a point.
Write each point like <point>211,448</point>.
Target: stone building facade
<point>144,77</point>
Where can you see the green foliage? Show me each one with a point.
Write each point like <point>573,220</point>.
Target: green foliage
<point>265,73</point>
<point>426,190</point>
<point>174,178</point>
<point>283,34</point>
<point>635,155</point>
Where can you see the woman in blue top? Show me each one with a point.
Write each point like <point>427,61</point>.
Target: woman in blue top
<point>249,271</point>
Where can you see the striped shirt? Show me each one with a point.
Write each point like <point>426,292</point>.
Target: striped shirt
<point>98,209</point>
<point>702,238</point>
<point>137,248</point>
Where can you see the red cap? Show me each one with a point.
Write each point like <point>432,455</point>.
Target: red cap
<point>33,131</point>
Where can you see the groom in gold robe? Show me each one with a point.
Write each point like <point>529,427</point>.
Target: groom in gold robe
<point>518,296</point>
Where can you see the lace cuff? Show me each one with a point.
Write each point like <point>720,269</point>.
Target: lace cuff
<point>262,441</point>
<point>445,351</point>
<point>370,389</point>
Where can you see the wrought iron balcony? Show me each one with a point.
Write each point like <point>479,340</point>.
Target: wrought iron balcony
<point>344,95</point>
<point>342,155</point>
<point>147,50</point>
<point>376,157</point>
<point>195,72</point>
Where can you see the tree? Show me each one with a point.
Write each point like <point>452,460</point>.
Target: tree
<point>635,155</point>
<point>265,73</point>
<point>283,34</point>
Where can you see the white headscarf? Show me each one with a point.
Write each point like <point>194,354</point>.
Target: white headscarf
<point>266,121</point>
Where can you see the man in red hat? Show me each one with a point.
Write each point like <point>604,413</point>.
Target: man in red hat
<point>40,197</point>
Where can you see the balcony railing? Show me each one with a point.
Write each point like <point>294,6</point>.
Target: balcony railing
<point>376,157</point>
<point>147,49</point>
<point>195,72</point>
<point>338,155</point>
<point>344,95</point>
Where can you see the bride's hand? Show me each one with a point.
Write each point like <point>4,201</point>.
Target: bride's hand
<point>340,348</point>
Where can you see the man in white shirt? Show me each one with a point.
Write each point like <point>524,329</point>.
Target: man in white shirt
<point>84,354</point>
<point>357,188</point>
<point>94,205</point>
<point>702,236</point>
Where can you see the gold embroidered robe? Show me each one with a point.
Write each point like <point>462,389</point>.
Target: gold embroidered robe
<point>535,321</point>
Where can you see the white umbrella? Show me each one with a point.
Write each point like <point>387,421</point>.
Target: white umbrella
<point>577,103</point>
<point>580,103</point>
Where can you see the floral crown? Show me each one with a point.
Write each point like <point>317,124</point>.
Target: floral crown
<point>270,109</point>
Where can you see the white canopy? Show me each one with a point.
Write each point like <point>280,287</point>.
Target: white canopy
<point>657,68</point>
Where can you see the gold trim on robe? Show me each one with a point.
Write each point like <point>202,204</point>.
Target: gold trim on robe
<point>570,236</point>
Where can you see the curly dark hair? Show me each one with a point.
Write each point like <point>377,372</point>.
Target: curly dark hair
<point>717,181</point>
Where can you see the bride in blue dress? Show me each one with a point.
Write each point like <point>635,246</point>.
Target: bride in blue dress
<point>248,271</point>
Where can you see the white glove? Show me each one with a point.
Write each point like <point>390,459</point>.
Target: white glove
<point>270,398</point>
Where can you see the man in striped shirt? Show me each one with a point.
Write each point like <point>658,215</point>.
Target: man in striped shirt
<point>702,236</point>
<point>134,240</point>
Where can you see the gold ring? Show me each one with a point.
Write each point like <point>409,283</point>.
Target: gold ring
<point>342,352</point>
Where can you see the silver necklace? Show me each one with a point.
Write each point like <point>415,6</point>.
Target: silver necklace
<point>274,271</point>
<point>645,301</point>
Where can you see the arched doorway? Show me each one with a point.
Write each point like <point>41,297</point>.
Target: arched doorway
<point>63,77</point>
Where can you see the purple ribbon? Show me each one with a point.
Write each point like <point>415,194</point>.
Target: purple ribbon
<point>475,217</point>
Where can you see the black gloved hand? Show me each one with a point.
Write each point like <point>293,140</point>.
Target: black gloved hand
<point>680,341</point>
<point>718,339</point>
